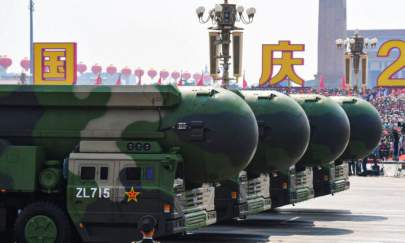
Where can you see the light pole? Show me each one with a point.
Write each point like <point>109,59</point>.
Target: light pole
<point>355,53</point>
<point>31,8</point>
<point>223,18</point>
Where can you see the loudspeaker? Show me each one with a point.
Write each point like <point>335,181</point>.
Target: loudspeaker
<point>364,63</point>
<point>214,53</point>
<point>237,44</point>
<point>348,68</point>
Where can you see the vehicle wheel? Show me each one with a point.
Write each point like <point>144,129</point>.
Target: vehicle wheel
<point>42,222</point>
<point>10,222</point>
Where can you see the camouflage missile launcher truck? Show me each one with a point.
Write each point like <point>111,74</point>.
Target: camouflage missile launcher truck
<point>365,134</point>
<point>330,133</point>
<point>283,138</point>
<point>94,159</point>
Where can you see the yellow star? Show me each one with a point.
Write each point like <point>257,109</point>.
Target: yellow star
<point>132,195</point>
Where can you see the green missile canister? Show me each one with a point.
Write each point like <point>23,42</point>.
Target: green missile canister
<point>330,129</point>
<point>365,127</point>
<point>283,131</point>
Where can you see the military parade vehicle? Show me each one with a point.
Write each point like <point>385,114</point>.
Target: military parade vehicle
<point>365,134</point>
<point>93,160</point>
<point>283,139</point>
<point>330,132</point>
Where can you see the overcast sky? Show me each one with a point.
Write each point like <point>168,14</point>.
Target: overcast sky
<point>165,34</point>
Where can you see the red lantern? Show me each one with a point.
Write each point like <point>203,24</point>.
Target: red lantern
<point>186,76</point>
<point>96,69</point>
<point>152,73</point>
<point>164,74</point>
<point>175,75</point>
<point>5,62</point>
<point>25,64</point>
<point>139,72</point>
<point>111,70</point>
<point>81,68</point>
<point>197,76</point>
<point>126,71</point>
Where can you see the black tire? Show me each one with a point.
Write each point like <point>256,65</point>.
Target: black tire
<point>10,222</point>
<point>49,210</point>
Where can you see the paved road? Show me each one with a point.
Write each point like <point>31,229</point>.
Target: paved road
<point>372,211</point>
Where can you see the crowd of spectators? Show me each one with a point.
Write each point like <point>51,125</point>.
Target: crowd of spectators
<point>391,106</point>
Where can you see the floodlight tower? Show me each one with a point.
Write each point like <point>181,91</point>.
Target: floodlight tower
<point>224,17</point>
<point>356,58</point>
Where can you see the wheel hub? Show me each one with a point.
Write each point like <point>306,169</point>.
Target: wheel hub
<point>41,229</point>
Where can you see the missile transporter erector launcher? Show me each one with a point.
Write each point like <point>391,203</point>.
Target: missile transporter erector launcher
<point>330,132</point>
<point>283,138</point>
<point>102,157</point>
<point>365,134</point>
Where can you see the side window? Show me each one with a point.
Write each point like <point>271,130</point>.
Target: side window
<point>133,174</point>
<point>88,173</point>
<point>104,173</point>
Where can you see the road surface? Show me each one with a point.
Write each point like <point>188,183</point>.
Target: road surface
<point>372,211</point>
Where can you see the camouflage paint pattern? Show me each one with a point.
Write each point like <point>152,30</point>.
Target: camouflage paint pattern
<point>215,130</point>
<point>365,127</point>
<point>330,129</point>
<point>283,131</point>
<point>211,133</point>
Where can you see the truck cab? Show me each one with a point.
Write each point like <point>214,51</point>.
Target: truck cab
<point>111,191</point>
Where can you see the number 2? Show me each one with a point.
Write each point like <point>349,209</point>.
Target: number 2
<point>386,77</point>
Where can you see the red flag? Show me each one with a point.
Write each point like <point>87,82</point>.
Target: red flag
<point>159,82</point>
<point>118,82</point>
<point>200,82</point>
<point>245,83</point>
<point>343,84</point>
<point>321,83</point>
<point>180,83</point>
<point>99,81</point>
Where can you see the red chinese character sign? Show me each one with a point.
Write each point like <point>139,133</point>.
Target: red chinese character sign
<point>55,63</point>
<point>287,62</point>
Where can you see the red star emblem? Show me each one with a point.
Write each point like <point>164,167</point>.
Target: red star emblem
<point>132,195</point>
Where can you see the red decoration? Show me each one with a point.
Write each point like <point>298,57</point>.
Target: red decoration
<point>5,62</point>
<point>245,83</point>
<point>81,68</point>
<point>175,75</point>
<point>139,73</point>
<point>99,80</point>
<point>197,76</point>
<point>152,73</point>
<point>200,81</point>
<point>25,63</point>
<point>118,82</point>
<point>321,83</point>
<point>96,69</point>
<point>126,71</point>
<point>186,76</point>
<point>111,70</point>
<point>343,83</point>
<point>164,74</point>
